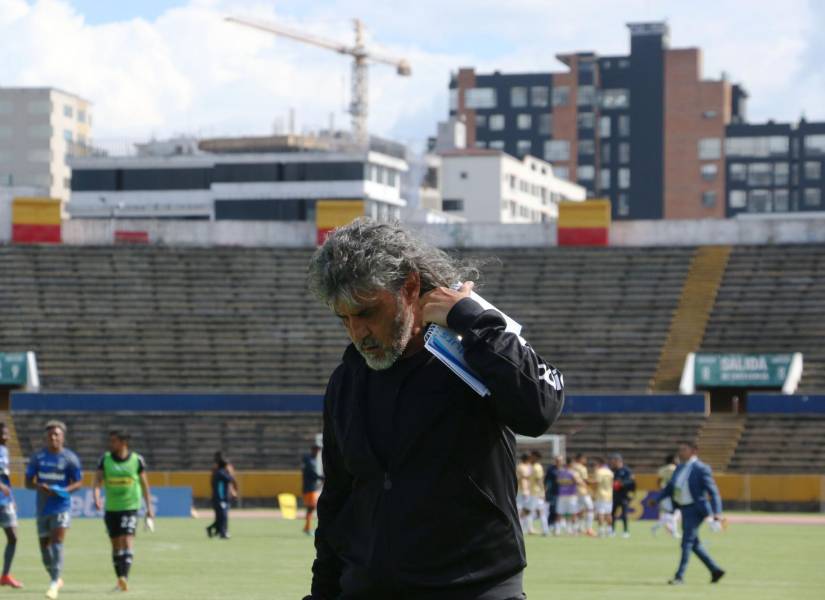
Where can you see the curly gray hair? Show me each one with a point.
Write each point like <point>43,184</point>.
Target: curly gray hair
<point>364,257</point>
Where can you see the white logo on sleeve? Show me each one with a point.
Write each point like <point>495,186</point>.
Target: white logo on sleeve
<point>551,376</point>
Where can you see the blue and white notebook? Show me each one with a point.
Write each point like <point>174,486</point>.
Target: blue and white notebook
<point>445,345</point>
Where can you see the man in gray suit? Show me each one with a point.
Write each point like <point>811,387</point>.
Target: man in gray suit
<point>695,493</point>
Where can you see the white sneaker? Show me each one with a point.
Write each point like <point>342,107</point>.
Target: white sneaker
<point>626,534</point>
<point>53,590</point>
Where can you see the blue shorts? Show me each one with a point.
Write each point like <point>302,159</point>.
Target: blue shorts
<point>48,523</point>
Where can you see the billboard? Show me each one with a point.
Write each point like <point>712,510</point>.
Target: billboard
<point>167,502</point>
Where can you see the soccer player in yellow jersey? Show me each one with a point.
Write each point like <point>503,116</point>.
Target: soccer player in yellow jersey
<point>603,481</point>
<point>668,514</point>
<point>523,471</point>
<point>539,508</point>
<point>585,502</point>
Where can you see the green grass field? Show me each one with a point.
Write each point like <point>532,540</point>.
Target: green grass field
<point>270,559</point>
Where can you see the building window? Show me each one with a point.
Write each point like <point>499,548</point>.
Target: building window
<point>545,124</point>
<point>480,98</point>
<point>738,172</point>
<point>561,172</point>
<point>481,121</point>
<point>556,150</point>
<point>780,201</point>
<point>81,115</point>
<point>539,96</point>
<point>606,153</point>
<point>587,147</point>
<point>757,147</point>
<point>624,125</point>
<point>561,95</point>
<point>760,201</point>
<point>524,147</point>
<point>454,100</point>
<point>709,114</point>
<point>760,174</point>
<point>586,95</point>
<point>780,174</point>
<point>586,120</point>
<point>812,197</point>
<point>709,199</point>
<point>624,63</point>
<point>624,178</point>
<point>524,121</point>
<point>518,97</point>
<point>481,144</point>
<point>68,111</point>
<point>623,210</point>
<point>815,144</point>
<point>709,171</point>
<point>452,204</point>
<point>604,127</point>
<point>604,179</point>
<point>496,145</point>
<point>624,153</point>
<point>68,135</point>
<point>813,170</point>
<point>615,98</point>
<point>496,122</point>
<point>585,172</point>
<point>710,148</point>
<point>737,198</point>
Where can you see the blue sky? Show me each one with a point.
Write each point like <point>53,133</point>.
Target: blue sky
<point>155,68</point>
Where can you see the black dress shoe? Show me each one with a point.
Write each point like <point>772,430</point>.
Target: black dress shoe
<point>676,581</point>
<point>716,576</point>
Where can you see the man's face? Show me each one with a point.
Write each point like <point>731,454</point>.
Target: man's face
<point>4,435</point>
<point>380,327</point>
<point>54,439</point>
<point>115,444</point>
<point>685,453</point>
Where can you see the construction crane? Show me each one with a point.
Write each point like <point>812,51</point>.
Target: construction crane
<point>360,68</point>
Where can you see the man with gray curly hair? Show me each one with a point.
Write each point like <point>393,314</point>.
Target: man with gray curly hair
<point>419,490</point>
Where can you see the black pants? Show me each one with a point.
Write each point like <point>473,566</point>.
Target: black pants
<point>623,503</point>
<point>221,524</point>
<point>551,510</point>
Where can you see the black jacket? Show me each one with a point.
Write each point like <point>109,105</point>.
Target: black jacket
<point>443,512</point>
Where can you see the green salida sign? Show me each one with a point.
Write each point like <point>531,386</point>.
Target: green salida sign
<point>13,368</point>
<point>742,370</point>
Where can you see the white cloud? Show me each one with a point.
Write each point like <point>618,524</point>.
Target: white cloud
<point>189,71</point>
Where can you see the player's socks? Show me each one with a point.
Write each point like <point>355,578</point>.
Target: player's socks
<point>116,562</point>
<point>57,561</point>
<point>589,523</point>
<point>46,555</point>
<point>8,556</point>
<point>128,558</point>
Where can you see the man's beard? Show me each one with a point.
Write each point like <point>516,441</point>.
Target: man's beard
<point>402,329</point>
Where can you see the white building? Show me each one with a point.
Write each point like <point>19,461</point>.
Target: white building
<point>39,128</point>
<point>489,186</point>
<point>240,185</point>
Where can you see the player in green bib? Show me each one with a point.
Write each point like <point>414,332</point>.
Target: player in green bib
<point>122,473</point>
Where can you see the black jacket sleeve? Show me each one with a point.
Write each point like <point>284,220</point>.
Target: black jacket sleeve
<point>526,393</point>
<point>326,570</point>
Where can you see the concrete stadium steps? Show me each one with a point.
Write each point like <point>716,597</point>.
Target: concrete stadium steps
<point>718,439</point>
<point>691,317</point>
<point>643,439</point>
<point>181,441</point>
<point>239,319</point>
<point>781,444</point>
<point>771,300</point>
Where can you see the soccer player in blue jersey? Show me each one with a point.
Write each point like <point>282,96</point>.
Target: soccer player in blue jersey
<point>8,512</point>
<point>55,473</point>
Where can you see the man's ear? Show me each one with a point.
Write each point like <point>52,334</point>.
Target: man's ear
<point>412,287</point>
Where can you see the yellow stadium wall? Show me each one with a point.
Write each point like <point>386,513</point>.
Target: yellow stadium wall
<point>268,484</point>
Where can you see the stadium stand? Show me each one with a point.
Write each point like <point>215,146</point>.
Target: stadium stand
<point>781,444</point>
<point>183,441</point>
<point>643,439</point>
<point>771,300</point>
<point>233,319</point>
